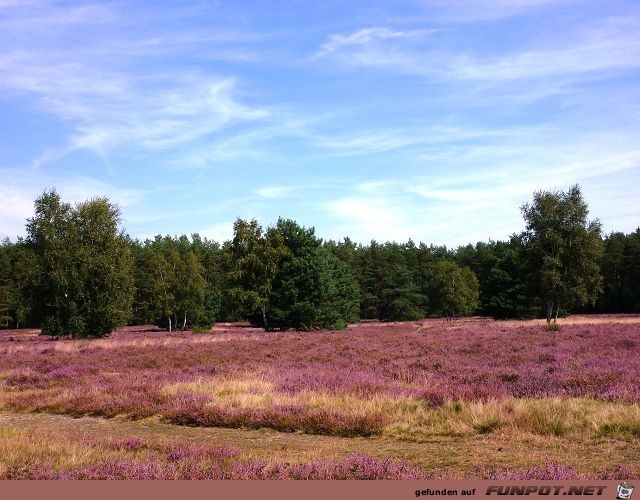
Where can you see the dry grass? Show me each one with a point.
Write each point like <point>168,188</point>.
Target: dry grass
<point>66,442</point>
<point>23,446</point>
<point>415,420</point>
<point>76,346</point>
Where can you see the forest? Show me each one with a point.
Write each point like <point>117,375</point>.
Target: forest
<point>77,273</point>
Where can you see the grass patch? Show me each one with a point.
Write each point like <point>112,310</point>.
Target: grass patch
<point>54,444</point>
<point>199,330</point>
<point>404,418</point>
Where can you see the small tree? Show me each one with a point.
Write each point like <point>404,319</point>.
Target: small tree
<point>54,284</point>
<point>253,262</point>
<point>105,267</point>
<point>563,248</point>
<point>189,289</point>
<point>312,288</point>
<point>81,279</point>
<point>402,300</point>
<point>454,290</point>
<point>161,287</point>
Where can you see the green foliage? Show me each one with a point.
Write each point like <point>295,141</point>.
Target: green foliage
<point>505,292</point>
<point>199,330</point>
<point>171,284</point>
<point>70,275</point>
<point>7,291</point>
<point>81,280</point>
<point>553,327</point>
<point>312,288</point>
<point>563,248</point>
<point>454,290</point>
<point>340,300</point>
<point>392,277</point>
<point>210,307</point>
<point>161,298</point>
<point>402,299</point>
<point>188,285</point>
<point>254,259</point>
<point>621,273</point>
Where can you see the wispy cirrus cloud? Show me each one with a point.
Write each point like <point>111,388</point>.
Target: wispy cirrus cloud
<point>111,96</point>
<point>610,45</point>
<point>275,192</point>
<point>111,109</point>
<point>372,217</point>
<point>366,36</point>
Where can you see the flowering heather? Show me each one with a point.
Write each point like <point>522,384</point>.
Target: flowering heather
<point>357,466</point>
<point>348,383</point>
<point>550,471</point>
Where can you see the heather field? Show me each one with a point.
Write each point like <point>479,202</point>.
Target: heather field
<point>470,398</point>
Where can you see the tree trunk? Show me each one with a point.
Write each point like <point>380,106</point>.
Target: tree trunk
<point>184,323</point>
<point>549,311</point>
<point>169,324</point>
<point>555,319</point>
<point>264,320</point>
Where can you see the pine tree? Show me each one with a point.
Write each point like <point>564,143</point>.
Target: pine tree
<point>311,289</point>
<point>7,290</point>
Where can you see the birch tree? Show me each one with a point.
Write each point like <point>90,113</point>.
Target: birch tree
<point>564,249</point>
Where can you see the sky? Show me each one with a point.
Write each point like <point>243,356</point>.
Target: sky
<point>434,120</point>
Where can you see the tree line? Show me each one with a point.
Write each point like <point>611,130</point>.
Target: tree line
<point>76,273</point>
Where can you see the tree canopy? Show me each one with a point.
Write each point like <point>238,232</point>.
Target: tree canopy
<point>564,248</point>
<point>81,281</point>
<point>77,274</point>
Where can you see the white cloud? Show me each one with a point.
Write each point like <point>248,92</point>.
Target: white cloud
<point>610,45</point>
<point>457,206</point>
<point>376,141</point>
<point>112,110</point>
<point>365,36</point>
<point>110,95</point>
<point>15,208</point>
<point>366,218</point>
<point>219,232</point>
<point>613,45</point>
<point>275,191</point>
<point>18,191</point>
<point>174,116</point>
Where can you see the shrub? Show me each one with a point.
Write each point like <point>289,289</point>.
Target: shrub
<point>198,330</point>
<point>553,327</point>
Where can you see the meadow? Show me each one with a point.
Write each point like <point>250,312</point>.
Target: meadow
<point>427,399</point>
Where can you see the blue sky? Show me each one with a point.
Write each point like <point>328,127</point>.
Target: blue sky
<point>429,119</point>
